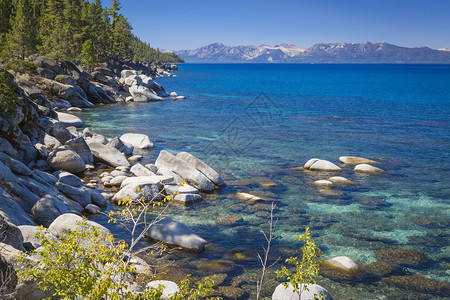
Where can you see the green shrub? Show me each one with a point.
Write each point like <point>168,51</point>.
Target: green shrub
<point>305,269</point>
<point>8,97</point>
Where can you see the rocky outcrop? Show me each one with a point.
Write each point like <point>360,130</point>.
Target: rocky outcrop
<point>316,164</point>
<point>181,168</point>
<point>107,154</point>
<point>308,292</point>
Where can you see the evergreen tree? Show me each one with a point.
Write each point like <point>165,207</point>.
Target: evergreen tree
<point>21,38</point>
<point>72,28</point>
<point>54,39</point>
<point>5,23</point>
<point>88,55</point>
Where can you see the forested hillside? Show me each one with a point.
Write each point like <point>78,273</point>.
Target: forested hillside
<point>71,30</point>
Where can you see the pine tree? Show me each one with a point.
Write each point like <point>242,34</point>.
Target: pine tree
<point>21,39</point>
<point>88,55</point>
<point>5,23</point>
<point>54,39</point>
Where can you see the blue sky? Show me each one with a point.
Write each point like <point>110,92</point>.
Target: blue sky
<point>188,24</point>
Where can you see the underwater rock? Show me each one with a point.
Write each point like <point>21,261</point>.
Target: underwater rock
<point>265,182</point>
<point>248,197</point>
<point>330,192</point>
<point>230,220</point>
<point>354,160</point>
<point>340,180</point>
<point>231,292</point>
<point>383,268</point>
<point>420,284</point>
<point>409,258</point>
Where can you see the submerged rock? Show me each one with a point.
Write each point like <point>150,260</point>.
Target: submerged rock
<point>408,258</point>
<point>340,180</point>
<point>187,199</point>
<point>420,284</point>
<point>230,220</point>
<point>248,197</point>
<point>354,160</point>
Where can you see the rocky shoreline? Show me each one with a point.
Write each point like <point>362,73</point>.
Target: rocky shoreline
<point>44,154</point>
<point>53,169</point>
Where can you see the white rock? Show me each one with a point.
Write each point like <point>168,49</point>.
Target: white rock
<point>180,97</point>
<point>323,182</point>
<point>68,222</point>
<point>69,120</point>
<point>340,180</point>
<point>309,163</point>
<point>343,263</point>
<point>324,165</point>
<point>74,109</point>
<point>365,168</point>
<point>108,155</point>
<point>170,288</point>
<point>117,173</point>
<point>117,181</point>
<point>140,170</point>
<point>176,233</point>
<point>354,160</point>
<point>187,199</point>
<point>64,158</point>
<point>248,197</point>
<point>314,291</point>
<point>135,158</point>
<point>180,167</point>
<point>202,167</point>
<point>145,191</point>
<point>171,189</point>
<point>137,140</point>
<point>128,73</point>
<point>173,94</point>
<point>155,179</point>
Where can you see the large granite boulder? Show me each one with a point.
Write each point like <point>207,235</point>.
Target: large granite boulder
<point>136,191</point>
<point>47,209</point>
<point>140,170</point>
<point>154,179</point>
<point>176,233</point>
<point>308,292</point>
<point>10,234</point>
<point>80,195</point>
<point>368,169</point>
<point>68,222</point>
<point>108,155</point>
<point>321,165</point>
<point>14,165</point>
<point>137,140</point>
<point>69,120</point>
<point>202,167</point>
<point>80,146</point>
<point>64,158</point>
<point>170,288</point>
<point>180,167</point>
<point>69,179</point>
<point>141,93</point>
<point>11,211</point>
<point>60,132</point>
<point>117,143</point>
<point>97,198</point>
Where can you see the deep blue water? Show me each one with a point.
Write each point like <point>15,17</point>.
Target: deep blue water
<point>253,120</point>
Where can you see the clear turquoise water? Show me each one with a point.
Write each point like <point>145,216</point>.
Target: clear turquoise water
<point>257,120</point>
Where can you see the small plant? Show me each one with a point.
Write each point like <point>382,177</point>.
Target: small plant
<point>84,262</point>
<point>8,97</point>
<point>305,269</point>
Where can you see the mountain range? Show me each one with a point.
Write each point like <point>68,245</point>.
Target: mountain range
<point>367,52</point>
